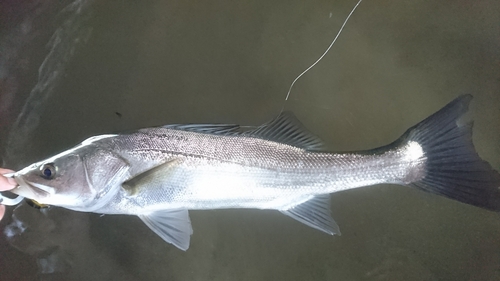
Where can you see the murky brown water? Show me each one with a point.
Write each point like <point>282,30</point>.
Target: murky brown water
<point>137,64</point>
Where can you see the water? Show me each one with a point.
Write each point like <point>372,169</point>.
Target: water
<point>130,65</point>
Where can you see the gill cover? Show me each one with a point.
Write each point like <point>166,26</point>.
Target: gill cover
<point>104,171</point>
<point>83,178</point>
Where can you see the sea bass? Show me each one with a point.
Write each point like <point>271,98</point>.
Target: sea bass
<point>160,173</point>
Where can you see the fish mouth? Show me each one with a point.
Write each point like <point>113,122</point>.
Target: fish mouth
<point>32,190</point>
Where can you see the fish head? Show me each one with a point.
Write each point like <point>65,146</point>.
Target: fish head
<point>75,179</point>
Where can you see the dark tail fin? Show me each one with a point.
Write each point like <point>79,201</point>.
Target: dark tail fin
<point>453,167</point>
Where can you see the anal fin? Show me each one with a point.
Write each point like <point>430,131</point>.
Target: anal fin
<point>173,226</point>
<point>315,213</point>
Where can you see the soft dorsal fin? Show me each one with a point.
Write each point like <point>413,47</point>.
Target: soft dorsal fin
<point>286,128</point>
<point>315,213</point>
<point>173,226</point>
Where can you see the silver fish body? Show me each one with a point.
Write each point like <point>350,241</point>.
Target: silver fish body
<point>216,171</point>
<point>160,173</point>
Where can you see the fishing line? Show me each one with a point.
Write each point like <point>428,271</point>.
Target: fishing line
<point>321,57</point>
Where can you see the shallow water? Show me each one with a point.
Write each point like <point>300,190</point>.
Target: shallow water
<point>113,67</point>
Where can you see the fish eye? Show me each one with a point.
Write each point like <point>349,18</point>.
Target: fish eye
<point>48,171</point>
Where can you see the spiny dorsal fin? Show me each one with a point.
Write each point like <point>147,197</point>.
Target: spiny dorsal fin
<point>217,129</point>
<point>286,128</point>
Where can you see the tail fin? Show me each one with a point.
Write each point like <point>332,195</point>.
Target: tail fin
<point>453,167</point>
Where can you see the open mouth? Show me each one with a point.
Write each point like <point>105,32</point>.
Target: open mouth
<point>32,190</point>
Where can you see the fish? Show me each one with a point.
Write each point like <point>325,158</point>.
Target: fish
<point>160,173</point>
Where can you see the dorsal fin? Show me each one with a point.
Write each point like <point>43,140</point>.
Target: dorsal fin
<point>217,129</point>
<point>286,128</point>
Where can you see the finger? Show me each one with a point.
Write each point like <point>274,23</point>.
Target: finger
<point>7,183</point>
<point>6,171</point>
<point>2,211</point>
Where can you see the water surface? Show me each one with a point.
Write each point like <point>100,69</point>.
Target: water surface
<point>70,70</point>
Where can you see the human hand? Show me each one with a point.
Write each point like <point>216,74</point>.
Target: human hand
<point>5,184</point>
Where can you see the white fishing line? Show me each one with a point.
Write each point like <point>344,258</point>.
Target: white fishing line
<point>327,50</point>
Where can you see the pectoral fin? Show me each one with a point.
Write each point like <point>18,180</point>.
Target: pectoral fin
<point>315,213</point>
<point>173,226</point>
<point>155,176</point>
